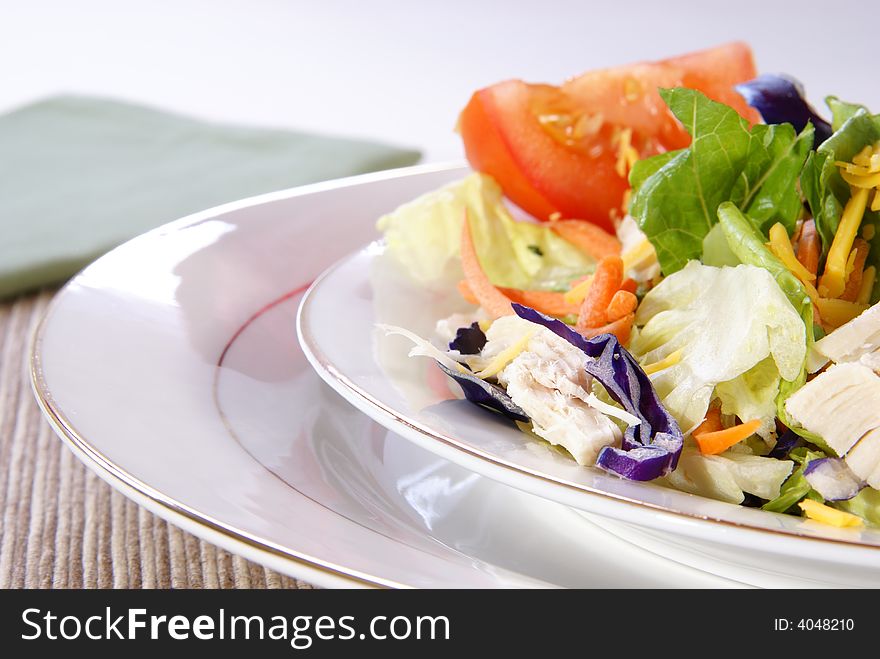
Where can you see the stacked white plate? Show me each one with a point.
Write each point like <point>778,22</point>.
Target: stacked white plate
<point>171,366</point>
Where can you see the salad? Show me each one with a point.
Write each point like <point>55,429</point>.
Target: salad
<point>672,277</point>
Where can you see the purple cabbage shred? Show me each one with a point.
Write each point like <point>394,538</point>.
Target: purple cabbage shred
<point>468,340</point>
<point>780,100</point>
<point>486,394</point>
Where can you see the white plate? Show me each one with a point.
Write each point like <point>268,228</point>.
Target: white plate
<point>171,367</point>
<point>413,398</point>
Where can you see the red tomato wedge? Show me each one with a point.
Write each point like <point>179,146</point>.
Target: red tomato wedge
<point>504,138</point>
<point>716,71</point>
<point>565,151</point>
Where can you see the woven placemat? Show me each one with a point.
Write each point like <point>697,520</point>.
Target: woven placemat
<point>62,527</point>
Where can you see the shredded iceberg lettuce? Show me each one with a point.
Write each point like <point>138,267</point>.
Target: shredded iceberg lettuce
<point>728,476</point>
<point>866,504</point>
<point>752,395</point>
<point>726,322</point>
<point>424,237</point>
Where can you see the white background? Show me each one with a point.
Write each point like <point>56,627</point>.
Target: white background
<point>399,71</point>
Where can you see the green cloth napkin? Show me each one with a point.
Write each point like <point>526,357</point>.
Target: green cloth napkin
<point>81,175</point>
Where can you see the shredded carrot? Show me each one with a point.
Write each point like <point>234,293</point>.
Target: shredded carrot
<point>587,237</point>
<point>809,247</point>
<point>712,443</point>
<point>621,328</point>
<point>606,282</point>
<point>621,304</point>
<point>547,302</point>
<point>712,423</point>
<point>466,292</point>
<point>854,281</point>
<point>495,302</point>
<point>579,288</point>
<point>629,285</point>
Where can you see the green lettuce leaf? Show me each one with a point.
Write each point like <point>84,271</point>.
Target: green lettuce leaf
<point>646,168</point>
<point>727,476</point>
<point>841,111</point>
<point>424,236</point>
<point>823,187</point>
<point>716,250</point>
<point>866,504</point>
<point>825,190</point>
<point>676,197</point>
<point>752,395</point>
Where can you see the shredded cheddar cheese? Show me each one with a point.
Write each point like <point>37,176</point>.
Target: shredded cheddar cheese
<point>626,153</point>
<point>838,312</point>
<point>670,360</point>
<point>868,181</point>
<point>851,262</point>
<point>827,515</point>
<point>867,285</point>
<point>845,260</point>
<point>833,280</point>
<point>578,292</point>
<point>636,256</point>
<point>780,245</point>
<point>504,357</point>
<point>863,156</point>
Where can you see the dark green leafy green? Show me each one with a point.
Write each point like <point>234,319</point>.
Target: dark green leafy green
<point>644,169</point>
<point>841,111</point>
<point>767,189</point>
<point>676,195</point>
<point>824,189</point>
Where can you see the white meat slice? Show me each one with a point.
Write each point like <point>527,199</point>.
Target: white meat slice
<point>848,342</point>
<point>871,360</point>
<point>864,458</point>
<point>568,362</point>
<point>551,386</point>
<point>841,405</point>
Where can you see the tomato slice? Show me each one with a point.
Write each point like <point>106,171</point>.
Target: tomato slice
<point>558,150</point>
<point>716,71</point>
<point>503,137</point>
<point>483,126</point>
<point>628,96</point>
